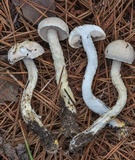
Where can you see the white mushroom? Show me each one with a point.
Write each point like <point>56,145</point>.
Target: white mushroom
<point>27,51</point>
<point>53,30</point>
<point>84,36</point>
<point>120,51</point>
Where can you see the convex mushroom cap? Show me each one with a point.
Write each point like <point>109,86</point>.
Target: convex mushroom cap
<point>94,31</point>
<point>121,51</point>
<point>26,49</point>
<point>53,23</point>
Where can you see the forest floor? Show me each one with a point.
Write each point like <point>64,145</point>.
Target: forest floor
<point>117,19</point>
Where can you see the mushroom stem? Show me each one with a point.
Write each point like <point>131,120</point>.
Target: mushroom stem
<point>90,71</point>
<point>60,70</point>
<point>91,101</point>
<point>87,135</point>
<point>29,115</point>
<point>27,112</point>
<point>119,85</point>
<point>61,78</point>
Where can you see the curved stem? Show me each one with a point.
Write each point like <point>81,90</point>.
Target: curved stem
<point>61,79</point>
<point>91,101</point>
<point>26,110</point>
<point>29,115</point>
<point>86,136</point>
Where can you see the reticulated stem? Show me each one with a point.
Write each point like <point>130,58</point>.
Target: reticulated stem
<point>113,112</point>
<point>91,101</point>
<point>29,115</point>
<point>60,70</point>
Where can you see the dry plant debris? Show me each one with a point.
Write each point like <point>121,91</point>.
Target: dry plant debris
<point>33,11</point>
<point>8,90</point>
<point>10,152</point>
<point>117,19</point>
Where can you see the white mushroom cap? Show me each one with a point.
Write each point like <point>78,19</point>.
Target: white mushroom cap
<point>26,49</point>
<point>121,51</point>
<point>53,23</point>
<point>96,33</point>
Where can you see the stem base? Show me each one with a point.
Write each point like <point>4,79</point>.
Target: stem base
<point>68,121</point>
<point>46,137</point>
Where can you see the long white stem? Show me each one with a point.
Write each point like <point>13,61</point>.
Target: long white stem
<point>60,70</point>
<point>29,115</point>
<point>113,112</point>
<point>91,101</point>
<point>27,112</point>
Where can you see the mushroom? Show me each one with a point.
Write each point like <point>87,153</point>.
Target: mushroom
<point>53,30</point>
<point>84,36</point>
<point>120,51</point>
<point>28,50</point>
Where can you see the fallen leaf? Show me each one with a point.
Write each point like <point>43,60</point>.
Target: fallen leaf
<point>22,152</point>
<point>10,152</point>
<point>18,152</point>
<point>29,11</point>
<point>8,91</point>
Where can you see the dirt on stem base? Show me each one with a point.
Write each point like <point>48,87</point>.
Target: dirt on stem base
<point>47,138</point>
<point>69,125</point>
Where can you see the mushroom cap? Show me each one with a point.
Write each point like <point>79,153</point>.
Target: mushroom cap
<point>121,51</point>
<point>53,23</point>
<point>26,49</point>
<point>96,33</point>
